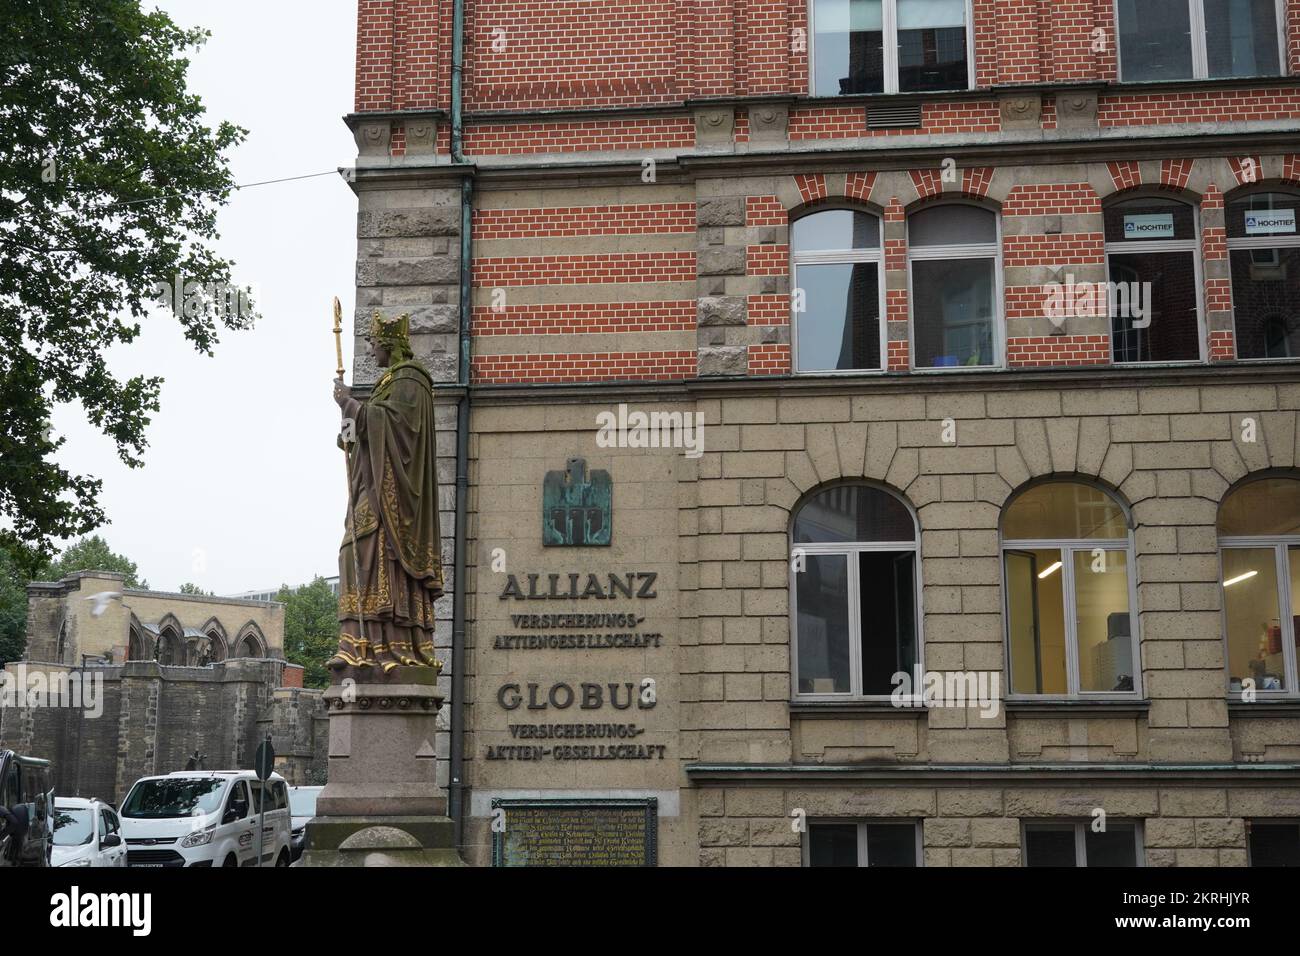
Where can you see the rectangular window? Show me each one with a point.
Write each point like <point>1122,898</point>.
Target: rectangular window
<point>889,46</point>
<point>1153,258</point>
<point>1264,255</point>
<point>1261,633</point>
<point>839,329</point>
<point>1187,39</point>
<point>1273,842</point>
<point>953,324</point>
<point>1069,620</point>
<point>855,616</point>
<point>1078,844</point>
<point>863,844</point>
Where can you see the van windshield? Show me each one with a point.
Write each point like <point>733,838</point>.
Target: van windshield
<point>159,799</point>
<point>73,827</point>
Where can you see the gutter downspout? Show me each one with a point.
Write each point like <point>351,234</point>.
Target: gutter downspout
<point>456,786</point>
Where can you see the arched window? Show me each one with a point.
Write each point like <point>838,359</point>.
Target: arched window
<point>1154,263</point>
<point>839,295</point>
<point>1068,561</point>
<point>135,646</point>
<point>1264,255</point>
<point>954,261</point>
<point>170,648</point>
<point>249,642</point>
<point>1259,547</point>
<point>855,592</point>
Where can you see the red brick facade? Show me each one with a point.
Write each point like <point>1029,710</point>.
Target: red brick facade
<point>643,82</point>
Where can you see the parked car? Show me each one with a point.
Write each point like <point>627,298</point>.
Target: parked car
<point>206,818</point>
<point>302,807</point>
<point>25,800</point>
<point>86,833</point>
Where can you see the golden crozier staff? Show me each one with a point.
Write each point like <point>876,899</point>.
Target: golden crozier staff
<point>363,644</point>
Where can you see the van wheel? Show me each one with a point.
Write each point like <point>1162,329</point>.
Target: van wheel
<point>282,859</point>
<point>231,861</point>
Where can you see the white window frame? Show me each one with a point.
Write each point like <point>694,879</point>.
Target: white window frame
<point>1080,838</point>
<point>1200,53</point>
<point>836,257</point>
<point>852,549</point>
<point>1280,543</point>
<point>1069,600</point>
<point>980,250</point>
<point>862,824</point>
<point>889,41</point>
<point>1250,243</point>
<point>1136,247</point>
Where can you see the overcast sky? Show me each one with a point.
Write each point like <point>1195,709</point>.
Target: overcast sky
<point>243,486</point>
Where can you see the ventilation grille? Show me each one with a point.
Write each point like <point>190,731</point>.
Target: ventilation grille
<point>881,117</point>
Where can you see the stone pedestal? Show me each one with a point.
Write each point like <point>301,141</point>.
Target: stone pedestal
<point>382,806</point>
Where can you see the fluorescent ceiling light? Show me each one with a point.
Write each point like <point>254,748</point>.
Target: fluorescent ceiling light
<point>1240,577</point>
<point>1049,570</point>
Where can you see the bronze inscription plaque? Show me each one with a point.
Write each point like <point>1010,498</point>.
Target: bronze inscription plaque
<point>614,832</point>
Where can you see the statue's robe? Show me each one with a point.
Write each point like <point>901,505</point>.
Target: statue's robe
<point>395,496</point>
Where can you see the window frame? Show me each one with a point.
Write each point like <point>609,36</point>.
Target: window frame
<point>1081,837</point>
<point>1200,51</point>
<point>1280,543</point>
<point>1069,599</point>
<point>1192,245</point>
<point>889,30</point>
<point>839,257</point>
<point>852,549</point>
<point>1266,821</point>
<point>1251,243</point>
<point>862,823</point>
<point>959,251</point>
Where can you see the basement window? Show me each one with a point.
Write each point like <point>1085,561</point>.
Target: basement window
<point>890,46</point>
<point>890,843</point>
<point>1199,39</point>
<point>1078,844</point>
<point>1273,842</point>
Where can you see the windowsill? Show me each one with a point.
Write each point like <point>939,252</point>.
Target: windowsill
<point>1078,707</point>
<point>858,707</point>
<point>1101,86</point>
<point>1265,707</point>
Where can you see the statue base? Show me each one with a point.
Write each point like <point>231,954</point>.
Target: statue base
<point>382,805</point>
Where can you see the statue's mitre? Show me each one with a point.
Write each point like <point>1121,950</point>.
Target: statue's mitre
<point>393,330</point>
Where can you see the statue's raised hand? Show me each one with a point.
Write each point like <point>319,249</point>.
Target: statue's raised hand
<point>341,393</point>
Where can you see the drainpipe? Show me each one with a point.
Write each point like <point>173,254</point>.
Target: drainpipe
<point>456,785</point>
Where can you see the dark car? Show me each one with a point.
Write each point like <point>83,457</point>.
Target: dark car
<point>26,829</point>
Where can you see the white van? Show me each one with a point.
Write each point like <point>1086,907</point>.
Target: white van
<point>86,833</point>
<point>205,818</point>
